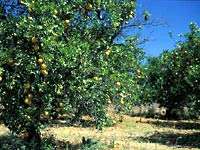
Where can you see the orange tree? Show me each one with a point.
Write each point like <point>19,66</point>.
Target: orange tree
<point>173,78</point>
<point>62,54</point>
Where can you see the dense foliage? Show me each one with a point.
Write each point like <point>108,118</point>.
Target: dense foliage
<point>59,58</point>
<point>173,79</point>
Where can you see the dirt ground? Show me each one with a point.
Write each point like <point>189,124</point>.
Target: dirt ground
<point>133,134</point>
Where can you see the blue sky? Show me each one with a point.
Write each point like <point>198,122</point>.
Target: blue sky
<point>177,14</point>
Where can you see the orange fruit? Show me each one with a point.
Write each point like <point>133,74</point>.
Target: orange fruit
<point>55,12</point>
<point>89,6</point>
<point>44,72</point>
<point>40,61</point>
<point>43,66</point>
<point>122,101</point>
<point>46,113</point>
<point>27,101</point>
<point>108,51</point>
<point>34,40</point>
<point>118,83</point>
<point>61,104</point>
<point>66,23</point>
<point>30,96</point>
<point>96,78</point>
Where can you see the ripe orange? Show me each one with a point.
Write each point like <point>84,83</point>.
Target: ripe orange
<point>43,66</point>
<point>55,12</point>
<point>108,51</point>
<point>44,72</point>
<point>89,6</point>
<point>122,101</point>
<point>66,23</point>
<point>61,104</point>
<point>118,83</point>
<point>46,113</point>
<point>96,78</point>
<point>27,101</point>
<point>40,61</point>
<point>34,40</point>
<point>30,96</point>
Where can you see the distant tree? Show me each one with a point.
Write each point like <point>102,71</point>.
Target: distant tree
<point>173,78</point>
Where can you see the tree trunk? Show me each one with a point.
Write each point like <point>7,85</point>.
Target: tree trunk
<point>34,136</point>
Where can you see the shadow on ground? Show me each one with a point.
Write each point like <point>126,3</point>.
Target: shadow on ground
<point>10,142</point>
<point>69,123</point>
<point>187,140</point>
<point>176,124</point>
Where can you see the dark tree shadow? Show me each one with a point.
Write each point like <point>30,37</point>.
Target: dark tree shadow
<point>11,142</point>
<point>187,140</point>
<point>176,124</point>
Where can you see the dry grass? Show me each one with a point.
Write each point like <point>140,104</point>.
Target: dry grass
<point>150,134</point>
<point>3,130</point>
<point>129,135</point>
